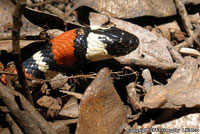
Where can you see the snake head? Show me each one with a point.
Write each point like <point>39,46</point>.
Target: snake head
<point>104,43</point>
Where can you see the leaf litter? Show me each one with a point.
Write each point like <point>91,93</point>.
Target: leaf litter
<point>159,90</point>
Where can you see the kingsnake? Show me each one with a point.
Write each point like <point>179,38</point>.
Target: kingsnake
<point>80,45</point>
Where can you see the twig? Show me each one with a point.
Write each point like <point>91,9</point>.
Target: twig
<point>60,125</point>
<point>17,23</point>
<point>81,76</point>
<point>187,43</point>
<point>44,2</point>
<point>54,10</point>
<point>90,76</point>
<point>27,117</point>
<point>77,5</point>
<point>13,126</point>
<point>156,66</point>
<point>183,14</point>
<point>175,54</point>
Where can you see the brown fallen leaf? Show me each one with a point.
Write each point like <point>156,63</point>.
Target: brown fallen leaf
<point>62,126</point>
<point>101,109</point>
<point>77,95</point>
<point>133,97</point>
<point>165,30</point>
<point>133,9</point>
<point>45,101</point>
<point>70,109</point>
<point>181,91</point>
<point>98,19</point>
<point>58,81</point>
<point>48,102</point>
<point>177,35</point>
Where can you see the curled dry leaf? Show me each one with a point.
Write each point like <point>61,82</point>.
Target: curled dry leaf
<point>58,81</point>
<point>101,109</point>
<point>165,29</point>
<point>181,91</point>
<point>48,102</point>
<point>70,109</point>
<point>133,97</point>
<point>133,8</point>
<point>177,35</point>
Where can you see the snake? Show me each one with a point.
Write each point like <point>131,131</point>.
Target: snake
<point>80,46</point>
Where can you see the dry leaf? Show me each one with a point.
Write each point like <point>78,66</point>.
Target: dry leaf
<point>70,109</point>
<point>48,102</point>
<point>133,97</point>
<point>77,95</point>
<point>181,91</point>
<point>101,110</point>
<point>133,8</point>
<point>166,29</point>
<point>61,126</point>
<point>58,81</point>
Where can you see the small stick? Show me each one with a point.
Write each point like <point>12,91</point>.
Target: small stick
<point>17,23</point>
<point>175,54</point>
<point>187,43</point>
<point>27,117</point>
<point>156,66</point>
<point>184,16</point>
<point>13,126</point>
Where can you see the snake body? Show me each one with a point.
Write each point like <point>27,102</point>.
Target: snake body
<point>80,45</point>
